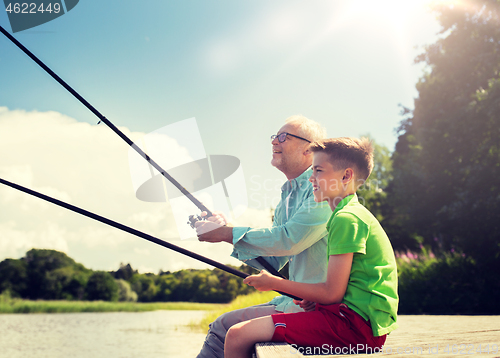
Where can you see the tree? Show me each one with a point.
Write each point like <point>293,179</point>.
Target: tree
<point>14,277</point>
<point>145,287</point>
<point>101,286</point>
<point>43,283</point>
<point>372,193</point>
<point>125,272</point>
<point>445,190</point>
<point>125,293</point>
<point>48,274</point>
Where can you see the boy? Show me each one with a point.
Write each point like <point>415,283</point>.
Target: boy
<point>356,306</point>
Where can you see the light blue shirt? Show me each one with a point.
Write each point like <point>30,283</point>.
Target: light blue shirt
<point>298,236</point>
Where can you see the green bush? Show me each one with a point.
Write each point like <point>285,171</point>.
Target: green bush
<point>449,284</point>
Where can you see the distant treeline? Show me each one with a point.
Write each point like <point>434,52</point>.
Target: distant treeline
<point>52,275</point>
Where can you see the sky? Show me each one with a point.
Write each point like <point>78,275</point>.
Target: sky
<point>240,68</point>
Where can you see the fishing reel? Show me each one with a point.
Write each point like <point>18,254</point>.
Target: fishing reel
<point>193,219</point>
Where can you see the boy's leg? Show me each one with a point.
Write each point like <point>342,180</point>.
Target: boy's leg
<point>242,337</point>
<point>330,329</point>
<point>213,346</point>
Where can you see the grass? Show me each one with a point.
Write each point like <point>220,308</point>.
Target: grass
<point>16,305</point>
<point>9,305</point>
<point>252,299</point>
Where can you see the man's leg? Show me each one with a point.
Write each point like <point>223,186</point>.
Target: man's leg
<point>214,342</point>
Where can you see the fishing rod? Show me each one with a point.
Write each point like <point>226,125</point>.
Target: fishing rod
<point>192,218</point>
<point>132,231</point>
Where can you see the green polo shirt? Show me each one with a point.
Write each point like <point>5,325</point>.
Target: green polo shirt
<point>373,282</point>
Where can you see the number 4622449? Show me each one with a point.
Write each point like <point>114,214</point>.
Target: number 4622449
<point>32,8</point>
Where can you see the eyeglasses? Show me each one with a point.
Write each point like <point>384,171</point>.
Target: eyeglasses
<point>282,137</point>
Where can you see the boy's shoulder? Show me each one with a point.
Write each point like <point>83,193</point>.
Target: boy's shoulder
<point>353,210</point>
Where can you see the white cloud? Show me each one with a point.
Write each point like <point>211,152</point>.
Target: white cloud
<point>16,240</point>
<point>86,165</point>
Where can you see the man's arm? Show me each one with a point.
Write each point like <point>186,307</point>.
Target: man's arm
<point>306,227</point>
<point>212,231</point>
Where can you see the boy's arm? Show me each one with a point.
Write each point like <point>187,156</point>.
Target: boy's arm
<point>329,292</point>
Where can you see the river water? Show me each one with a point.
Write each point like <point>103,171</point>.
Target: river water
<point>101,335</point>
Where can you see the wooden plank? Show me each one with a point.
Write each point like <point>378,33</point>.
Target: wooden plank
<point>442,336</point>
<point>275,350</point>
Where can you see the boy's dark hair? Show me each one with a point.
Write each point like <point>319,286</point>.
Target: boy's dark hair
<point>348,152</point>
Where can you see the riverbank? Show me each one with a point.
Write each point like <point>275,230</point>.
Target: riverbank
<point>14,305</point>
<point>26,306</point>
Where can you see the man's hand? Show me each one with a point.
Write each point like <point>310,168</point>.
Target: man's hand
<point>213,229</point>
<point>264,281</point>
<point>217,217</point>
<point>204,226</point>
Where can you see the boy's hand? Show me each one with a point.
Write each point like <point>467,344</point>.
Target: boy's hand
<point>263,281</point>
<point>306,305</point>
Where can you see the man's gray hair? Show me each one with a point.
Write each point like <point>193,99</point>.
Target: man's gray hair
<point>308,128</point>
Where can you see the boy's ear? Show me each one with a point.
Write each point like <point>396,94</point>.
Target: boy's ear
<point>348,175</point>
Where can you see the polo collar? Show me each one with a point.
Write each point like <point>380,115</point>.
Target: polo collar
<point>353,198</point>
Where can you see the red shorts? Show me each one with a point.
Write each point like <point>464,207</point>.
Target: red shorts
<point>335,329</point>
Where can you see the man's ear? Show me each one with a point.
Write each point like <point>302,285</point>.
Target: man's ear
<point>348,176</point>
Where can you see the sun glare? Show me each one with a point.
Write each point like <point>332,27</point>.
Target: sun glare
<point>395,14</point>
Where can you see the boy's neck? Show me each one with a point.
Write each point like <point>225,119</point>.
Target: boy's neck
<point>335,202</point>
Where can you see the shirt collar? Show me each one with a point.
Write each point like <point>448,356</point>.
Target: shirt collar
<point>343,203</point>
<point>353,198</point>
<point>297,182</point>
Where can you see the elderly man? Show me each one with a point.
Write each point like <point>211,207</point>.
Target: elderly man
<point>298,234</point>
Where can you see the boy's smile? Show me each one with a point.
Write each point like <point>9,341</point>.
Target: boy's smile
<point>329,184</point>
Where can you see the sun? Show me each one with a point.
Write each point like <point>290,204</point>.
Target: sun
<point>396,14</point>
<point>388,8</point>
<point>396,24</point>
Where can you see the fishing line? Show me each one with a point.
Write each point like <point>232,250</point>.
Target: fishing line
<point>192,218</point>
